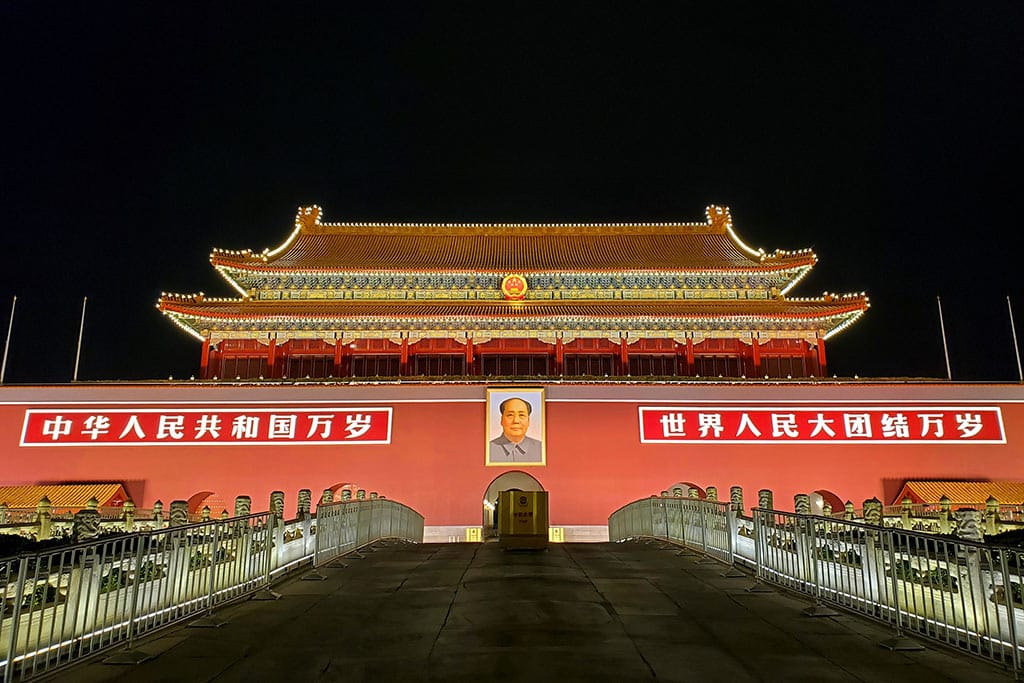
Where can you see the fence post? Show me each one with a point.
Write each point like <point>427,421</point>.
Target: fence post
<point>898,641</point>
<point>759,548</point>
<point>703,527</point>
<point>945,511</point>
<point>802,508</point>
<point>807,545</point>
<point>130,655</point>
<point>43,519</point>
<point>1008,602</point>
<point>179,513</point>
<point>969,530</point>
<point>129,515</point>
<point>991,516</point>
<point>19,597</point>
<point>733,530</point>
<point>906,508</point>
<point>210,620</point>
<point>269,526</point>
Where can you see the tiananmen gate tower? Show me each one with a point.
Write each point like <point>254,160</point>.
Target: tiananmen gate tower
<point>639,299</point>
<point>439,364</point>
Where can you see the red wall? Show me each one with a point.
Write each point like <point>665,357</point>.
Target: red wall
<point>435,461</point>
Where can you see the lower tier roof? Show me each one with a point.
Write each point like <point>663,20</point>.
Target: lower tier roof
<point>202,317</point>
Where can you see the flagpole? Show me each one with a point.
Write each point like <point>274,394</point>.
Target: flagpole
<point>1016,349</point>
<point>6,346</point>
<point>945,347</point>
<point>81,328</point>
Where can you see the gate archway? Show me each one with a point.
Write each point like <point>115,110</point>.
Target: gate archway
<point>515,480</point>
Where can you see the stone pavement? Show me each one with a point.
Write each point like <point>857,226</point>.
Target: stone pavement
<point>595,612</point>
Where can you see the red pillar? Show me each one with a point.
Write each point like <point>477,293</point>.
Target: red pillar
<point>559,356</point>
<point>623,357</point>
<point>469,356</point>
<point>338,350</point>
<point>271,358</point>
<point>689,357</point>
<point>204,363</point>
<point>755,348</point>
<point>403,368</point>
<point>822,368</point>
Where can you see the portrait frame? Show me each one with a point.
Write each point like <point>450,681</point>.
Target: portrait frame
<point>498,451</point>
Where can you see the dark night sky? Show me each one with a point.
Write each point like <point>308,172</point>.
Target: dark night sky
<point>137,139</point>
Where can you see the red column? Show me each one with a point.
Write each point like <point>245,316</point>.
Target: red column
<point>559,356</point>
<point>689,357</point>
<point>469,356</point>
<point>822,368</point>
<point>755,348</point>
<point>623,357</point>
<point>271,357</point>
<point>338,349</point>
<point>204,363</point>
<point>404,365</point>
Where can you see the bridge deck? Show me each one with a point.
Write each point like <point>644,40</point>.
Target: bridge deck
<point>622,612</point>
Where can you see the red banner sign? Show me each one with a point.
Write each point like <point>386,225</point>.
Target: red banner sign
<point>826,424</point>
<point>206,426</point>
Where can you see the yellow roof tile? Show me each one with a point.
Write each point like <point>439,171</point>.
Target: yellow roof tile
<point>963,492</point>
<point>61,495</point>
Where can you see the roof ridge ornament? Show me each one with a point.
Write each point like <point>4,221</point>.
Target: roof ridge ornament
<point>718,217</point>
<point>308,217</point>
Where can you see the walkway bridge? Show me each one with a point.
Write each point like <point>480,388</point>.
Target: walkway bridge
<point>679,600</point>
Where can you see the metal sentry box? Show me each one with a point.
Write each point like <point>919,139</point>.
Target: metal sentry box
<point>523,519</point>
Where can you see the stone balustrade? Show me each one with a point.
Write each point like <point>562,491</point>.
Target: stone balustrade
<point>990,518</point>
<point>44,522</point>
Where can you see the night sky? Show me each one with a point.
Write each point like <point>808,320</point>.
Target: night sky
<point>136,139</point>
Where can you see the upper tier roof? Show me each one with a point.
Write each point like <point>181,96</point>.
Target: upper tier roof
<point>502,248</point>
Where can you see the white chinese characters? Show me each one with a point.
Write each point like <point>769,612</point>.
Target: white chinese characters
<point>213,426</point>
<point>821,424</point>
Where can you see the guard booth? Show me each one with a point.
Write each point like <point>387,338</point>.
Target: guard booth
<point>523,520</point>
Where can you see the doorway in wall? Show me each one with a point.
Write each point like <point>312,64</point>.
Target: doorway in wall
<point>507,481</point>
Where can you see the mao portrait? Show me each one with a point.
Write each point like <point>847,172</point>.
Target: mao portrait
<point>515,426</point>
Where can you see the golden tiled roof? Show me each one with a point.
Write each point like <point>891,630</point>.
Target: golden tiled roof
<point>963,492</point>
<point>60,495</point>
<point>353,247</point>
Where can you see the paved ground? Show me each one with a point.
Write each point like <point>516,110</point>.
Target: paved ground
<point>615,612</point>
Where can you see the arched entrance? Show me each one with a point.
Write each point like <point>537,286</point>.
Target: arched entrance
<point>822,496</point>
<point>209,499</point>
<point>339,489</point>
<point>516,480</point>
<point>684,489</point>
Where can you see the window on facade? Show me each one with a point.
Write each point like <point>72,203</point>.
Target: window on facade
<point>309,366</point>
<point>514,365</point>
<point>714,366</point>
<point>376,365</point>
<point>775,366</point>
<point>654,365</point>
<point>597,365</point>
<point>243,367</point>
<point>439,364</point>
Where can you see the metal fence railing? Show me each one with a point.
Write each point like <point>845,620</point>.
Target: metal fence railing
<point>345,526</point>
<point>64,604</point>
<point>964,594</point>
